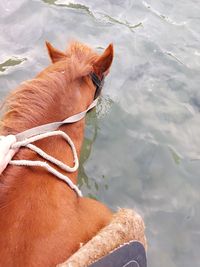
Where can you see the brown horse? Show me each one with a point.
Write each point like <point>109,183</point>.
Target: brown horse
<point>42,220</point>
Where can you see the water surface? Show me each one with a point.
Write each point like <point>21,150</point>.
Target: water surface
<point>142,147</point>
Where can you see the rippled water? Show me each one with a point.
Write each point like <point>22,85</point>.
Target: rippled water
<point>142,148</point>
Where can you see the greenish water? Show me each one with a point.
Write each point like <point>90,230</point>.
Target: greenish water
<point>142,146</point>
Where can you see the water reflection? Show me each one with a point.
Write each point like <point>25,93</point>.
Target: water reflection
<point>161,16</point>
<point>103,17</point>
<point>90,136</point>
<point>69,5</point>
<point>91,124</point>
<point>10,63</point>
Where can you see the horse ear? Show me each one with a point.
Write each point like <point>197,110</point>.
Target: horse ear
<point>103,63</point>
<point>54,54</point>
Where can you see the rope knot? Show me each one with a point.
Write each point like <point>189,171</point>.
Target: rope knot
<point>6,150</point>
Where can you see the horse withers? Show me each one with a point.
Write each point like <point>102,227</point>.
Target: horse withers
<point>42,220</point>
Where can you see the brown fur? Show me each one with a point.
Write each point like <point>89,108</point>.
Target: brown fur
<point>42,220</point>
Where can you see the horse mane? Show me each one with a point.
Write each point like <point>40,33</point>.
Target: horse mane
<point>30,102</point>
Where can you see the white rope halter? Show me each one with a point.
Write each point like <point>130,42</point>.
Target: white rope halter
<point>9,145</point>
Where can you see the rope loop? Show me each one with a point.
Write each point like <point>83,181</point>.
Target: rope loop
<point>37,163</point>
<point>10,144</point>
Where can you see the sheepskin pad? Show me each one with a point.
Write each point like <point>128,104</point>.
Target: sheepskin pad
<point>126,225</point>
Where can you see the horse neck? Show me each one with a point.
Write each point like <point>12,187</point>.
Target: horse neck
<point>72,103</point>
<point>65,104</point>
